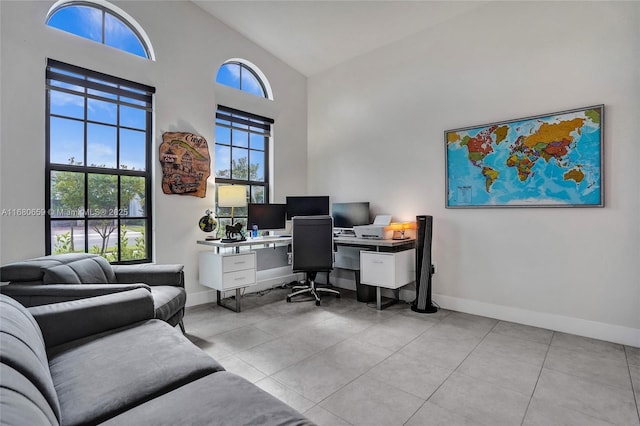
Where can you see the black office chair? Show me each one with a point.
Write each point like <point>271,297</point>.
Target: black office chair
<point>312,248</point>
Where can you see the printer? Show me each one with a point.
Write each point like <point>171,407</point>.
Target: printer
<point>378,230</point>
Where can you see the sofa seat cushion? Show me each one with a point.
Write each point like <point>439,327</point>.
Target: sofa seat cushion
<point>103,375</point>
<point>218,399</point>
<point>167,300</point>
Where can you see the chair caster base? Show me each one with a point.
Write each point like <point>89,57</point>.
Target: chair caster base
<point>288,299</point>
<point>317,303</point>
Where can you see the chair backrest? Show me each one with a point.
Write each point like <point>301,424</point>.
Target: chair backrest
<point>312,243</point>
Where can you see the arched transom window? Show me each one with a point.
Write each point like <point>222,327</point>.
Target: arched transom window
<point>242,75</point>
<point>101,22</point>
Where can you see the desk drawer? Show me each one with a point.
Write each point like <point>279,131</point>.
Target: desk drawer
<point>238,262</point>
<point>389,270</point>
<point>227,271</point>
<point>376,268</point>
<point>231,280</point>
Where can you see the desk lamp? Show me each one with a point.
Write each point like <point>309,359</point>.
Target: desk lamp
<point>399,228</point>
<point>232,196</point>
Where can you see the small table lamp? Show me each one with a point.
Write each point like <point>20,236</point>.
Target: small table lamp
<point>399,228</point>
<point>232,196</point>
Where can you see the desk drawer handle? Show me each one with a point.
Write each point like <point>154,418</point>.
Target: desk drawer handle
<point>379,262</point>
<point>242,262</point>
<point>239,279</point>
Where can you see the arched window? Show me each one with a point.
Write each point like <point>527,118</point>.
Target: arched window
<point>101,22</point>
<point>242,75</point>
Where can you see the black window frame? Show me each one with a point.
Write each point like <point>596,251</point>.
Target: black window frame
<point>239,120</point>
<point>58,71</point>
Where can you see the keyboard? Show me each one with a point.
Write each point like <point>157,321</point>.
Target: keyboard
<point>270,237</point>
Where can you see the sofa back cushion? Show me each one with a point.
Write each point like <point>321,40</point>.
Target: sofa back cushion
<point>67,268</point>
<point>25,378</point>
<point>89,270</point>
<point>27,271</point>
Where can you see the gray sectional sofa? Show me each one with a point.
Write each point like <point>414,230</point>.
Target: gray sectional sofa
<point>70,276</point>
<point>105,360</point>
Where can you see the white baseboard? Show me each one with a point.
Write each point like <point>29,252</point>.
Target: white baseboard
<point>581,327</point>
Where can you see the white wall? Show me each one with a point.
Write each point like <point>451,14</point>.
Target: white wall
<point>190,45</point>
<point>376,133</point>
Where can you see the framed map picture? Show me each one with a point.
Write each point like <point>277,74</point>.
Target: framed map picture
<point>553,160</point>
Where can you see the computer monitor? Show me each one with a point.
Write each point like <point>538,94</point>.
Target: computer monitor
<point>307,205</point>
<point>267,217</point>
<point>348,215</point>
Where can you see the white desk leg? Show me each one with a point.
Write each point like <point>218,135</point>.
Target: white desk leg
<point>378,299</point>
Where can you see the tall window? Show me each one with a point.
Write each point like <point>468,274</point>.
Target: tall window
<point>102,23</point>
<point>242,157</point>
<point>98,164</point>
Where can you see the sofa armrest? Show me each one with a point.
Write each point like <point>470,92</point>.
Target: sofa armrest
<point>66,321</point>
<point>41,294</point>
<point>150,274</point>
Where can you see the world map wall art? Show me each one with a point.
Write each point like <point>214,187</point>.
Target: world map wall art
<point>552,160</point>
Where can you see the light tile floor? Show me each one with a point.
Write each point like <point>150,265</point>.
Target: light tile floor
<point>346,363</point>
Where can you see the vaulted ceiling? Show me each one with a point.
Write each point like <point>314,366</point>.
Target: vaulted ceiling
<point>315,35</point>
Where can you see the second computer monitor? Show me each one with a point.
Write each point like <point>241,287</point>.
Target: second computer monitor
<point>307,205</point>
<point>267,217</point>
<point>348,215</point>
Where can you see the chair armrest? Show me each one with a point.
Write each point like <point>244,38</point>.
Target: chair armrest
<point>150,274</point>
<point>41,294</point>
<point>67,321</point>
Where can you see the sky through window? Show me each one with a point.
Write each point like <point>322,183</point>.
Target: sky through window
<point>98,24</point>
<point>241,77</point>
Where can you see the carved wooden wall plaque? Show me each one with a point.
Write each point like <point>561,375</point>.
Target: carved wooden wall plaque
<point>185,164</point>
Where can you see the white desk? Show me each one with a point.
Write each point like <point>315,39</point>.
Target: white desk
<point>216,273</point>
<point>379,245</point>
<point>218,244</point>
